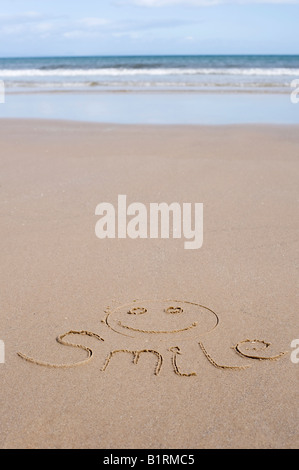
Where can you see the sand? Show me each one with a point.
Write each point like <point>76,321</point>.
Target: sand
<point>56,276</point>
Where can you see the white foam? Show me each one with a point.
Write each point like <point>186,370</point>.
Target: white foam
<point>114,72</point>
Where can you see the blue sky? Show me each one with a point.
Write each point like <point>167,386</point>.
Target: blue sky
<point>130,27</point>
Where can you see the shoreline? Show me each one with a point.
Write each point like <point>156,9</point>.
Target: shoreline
<point>80,124</point>
<point>154,108</point>
<point>186,90</point>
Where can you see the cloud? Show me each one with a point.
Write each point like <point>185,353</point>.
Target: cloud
<point>32,23</point>
<point>98,27</point>
<point>28,22</point>
<point>79,33</point>
<point>160,3</point>
<point>93,21</point>
<point>35,23</point>
<point>27,17</point>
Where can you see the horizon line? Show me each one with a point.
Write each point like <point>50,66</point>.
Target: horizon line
<point>149,55</point>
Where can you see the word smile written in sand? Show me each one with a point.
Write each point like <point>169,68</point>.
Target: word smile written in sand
<point>173,320</point>
<point>160,216</point>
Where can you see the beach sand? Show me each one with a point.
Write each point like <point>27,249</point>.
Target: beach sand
<point>57,276</point>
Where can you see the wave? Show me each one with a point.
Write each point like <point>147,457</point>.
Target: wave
<point>115,66</point>
<point>113,72</point>
<point>142,85</point>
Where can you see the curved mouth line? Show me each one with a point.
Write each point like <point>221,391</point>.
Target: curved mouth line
<point>157,331</point>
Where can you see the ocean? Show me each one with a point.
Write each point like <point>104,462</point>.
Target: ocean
<point>152,89</point>
<point>149,73</point>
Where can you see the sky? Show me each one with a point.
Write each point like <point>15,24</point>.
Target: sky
<point>147,27</point>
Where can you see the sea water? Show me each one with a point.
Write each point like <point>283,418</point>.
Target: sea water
<point>152,89</point>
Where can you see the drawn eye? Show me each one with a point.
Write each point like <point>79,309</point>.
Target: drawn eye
<point>137,311</point>
<point>174,310</point>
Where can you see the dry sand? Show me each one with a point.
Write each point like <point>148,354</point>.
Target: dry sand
<point>57,276</point>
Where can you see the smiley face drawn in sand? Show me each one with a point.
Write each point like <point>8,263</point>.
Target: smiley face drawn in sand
<point>167,318</point>
<point>173,322</point>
